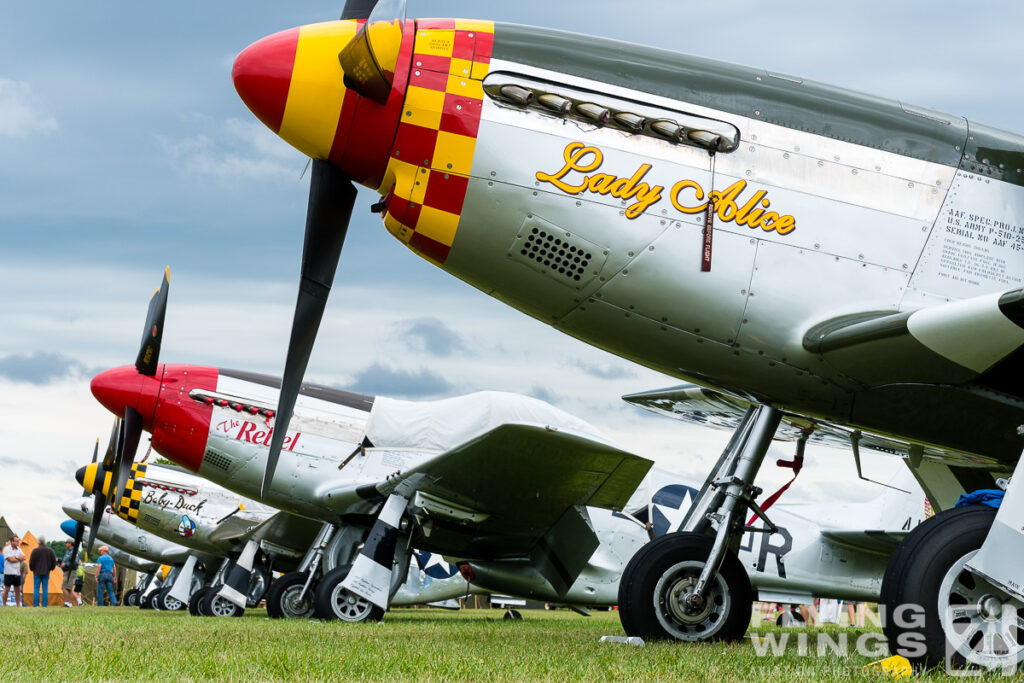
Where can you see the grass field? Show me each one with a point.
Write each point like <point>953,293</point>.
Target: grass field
<point>95,643</point>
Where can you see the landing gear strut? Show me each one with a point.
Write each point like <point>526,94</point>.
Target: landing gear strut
<point>687,585</point>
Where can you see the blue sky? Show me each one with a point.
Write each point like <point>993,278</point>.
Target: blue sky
<point>124,148</point>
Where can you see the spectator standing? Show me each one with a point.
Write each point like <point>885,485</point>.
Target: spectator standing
<point>105,577</point>
<point>13,557</point>
<point>79,581</point>
<point>42,561</point>
<point>68,565</point>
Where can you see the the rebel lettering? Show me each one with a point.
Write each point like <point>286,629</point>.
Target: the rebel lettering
<point>253,433</point>
<point>164,500</point>
<point>734,204</point>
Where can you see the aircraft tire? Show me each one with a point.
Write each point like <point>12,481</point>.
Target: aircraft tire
<point>131,598</point>
<point>922,572</point>
<point>145,600</point>
<point>334,602</point>
<point>212,605</point>
<point>259,584</point>
<point>660,572</point>
<point>282,597</point>
<point>156,599</point>
<point>193,602</point>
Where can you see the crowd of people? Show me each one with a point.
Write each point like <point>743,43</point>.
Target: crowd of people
<point>41,562</point>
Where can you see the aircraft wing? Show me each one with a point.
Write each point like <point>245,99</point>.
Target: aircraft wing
<point>956,353</point>
<point>978,340</point>
<point>282,533</point>
<point>703,406</point>
<point>871,541</point>
<point>518,490</point>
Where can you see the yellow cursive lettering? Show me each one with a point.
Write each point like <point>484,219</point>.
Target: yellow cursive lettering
<point>678,188</point>
<point>573,154</point>
<point>687,195</point>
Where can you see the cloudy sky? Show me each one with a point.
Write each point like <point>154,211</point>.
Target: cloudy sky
<point>124,148</point>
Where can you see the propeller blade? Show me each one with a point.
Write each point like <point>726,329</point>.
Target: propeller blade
<point>95,456</point>
<point>149,350</point>
<point>368,59</point>
<point>331,197</point>
<point>126,452</point>
<point>111,453</point>
<point>357,9</point>
<point>98,506</point>
<point>79,533</point>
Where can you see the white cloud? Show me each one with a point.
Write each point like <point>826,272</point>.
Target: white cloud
<point>232,150</point>
<point>20,114</point>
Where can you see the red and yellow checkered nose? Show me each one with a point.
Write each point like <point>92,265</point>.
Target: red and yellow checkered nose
<point>294,83</point>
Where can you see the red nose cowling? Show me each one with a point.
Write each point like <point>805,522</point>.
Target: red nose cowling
<point>180,423</point>
<point>262,74</point>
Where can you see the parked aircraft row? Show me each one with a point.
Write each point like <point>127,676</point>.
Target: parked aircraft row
<point>507,495</point>
<point>813,263</point>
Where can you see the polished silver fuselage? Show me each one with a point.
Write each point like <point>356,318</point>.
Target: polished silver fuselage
<point>880,207</point>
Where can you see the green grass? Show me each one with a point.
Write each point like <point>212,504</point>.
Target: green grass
<point>424,644</point>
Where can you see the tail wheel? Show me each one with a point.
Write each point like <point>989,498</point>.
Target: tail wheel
<point>655,583</point>
<point>213,605</point>
<point>938,612</point>
<point>283,600</point>
<point>332,601</point>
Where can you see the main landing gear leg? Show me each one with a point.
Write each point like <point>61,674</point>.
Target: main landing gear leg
<point>954,589</point>
<point>363,590</point>
<point>291,596</point>
<point>689,586</point>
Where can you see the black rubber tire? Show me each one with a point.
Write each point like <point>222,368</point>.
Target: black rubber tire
<point>324,600</point>
<point>279,592</point>
<point>193,602</point>
<point>156,600</point>
<point>640,578</point>
<point>259,572</point>
<point>202,604</point>
<point>131,598</point>
<point>144,600</point>
<point>915,573</point>
<point>512,615</point>
<point>206,606</point>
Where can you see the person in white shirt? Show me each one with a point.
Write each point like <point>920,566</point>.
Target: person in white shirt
<point>13,557</point>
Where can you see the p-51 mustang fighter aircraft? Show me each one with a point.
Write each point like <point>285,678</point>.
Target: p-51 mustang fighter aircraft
<point>848,263</point>
<point>365,481</point>
<point>236,543</point>
<point>481,485</point>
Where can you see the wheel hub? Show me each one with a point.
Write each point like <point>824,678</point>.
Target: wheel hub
<point>687,605</point>
<point>990,608</point>
<point>981,622</point>
<point>222,607</point>
<point>685,614</point>
<point>293,605</point>
<point>348,606</point>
